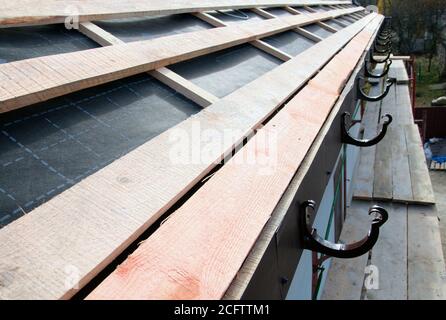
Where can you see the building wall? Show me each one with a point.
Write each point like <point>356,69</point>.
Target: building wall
<point>325,222</point>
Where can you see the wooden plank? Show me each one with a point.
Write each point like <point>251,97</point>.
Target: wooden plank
<point>398,105</point>
<point>349,19</point>
<point>309,9</point>
<point>119,61</point>
<point>262,45</point>
<point>184,87</point>
<point>342,24</point>
<point>35,12</point>
<point>108,210</point>
<point>263,13</point>
<point>99,35</point>
<point>321,24</point>
<point>345,278</point>
<point>403,58</point>
<point>308,34</point>
<point>327,27</point>
<point>398,71</point>
<point>426,267</point>
<point>164,75</point>
<point>364,176</point>
<point>402,186</point>
<point>383,181</point>
<point>257,43</point>
<point>213,21</point>
<point>152,272</point>
<point>389,255</point>
<point>245,274</point>
<point>421,184</point>
<point>301,31</point>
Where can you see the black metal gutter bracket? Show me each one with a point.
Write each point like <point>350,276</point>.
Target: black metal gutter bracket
<point>312,241</point>
<point>348,139</point>
<point>385,49</point>
<point>370,74</point>
<point>373,60</point>
<point>363,96</point>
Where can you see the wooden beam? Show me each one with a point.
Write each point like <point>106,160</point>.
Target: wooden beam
<point>292,10</point>
<point>365,177</point>
<point>213,21</point>
<point>342,24</point>
<point>164,75</point>
<point>426,266</point>
<point>266,47</point>
<point>320,23</point>
<point>256,43</point>
<point>185,87</point>
<point>303,32</point>
<point>36,12</point>
<point>40,79</point>
<point>252,262</point>
<point>307,34</point>
<point>423,192</point>
<point>348,18</point>
<point>327,27</point>
<point>110,209</point>
<point>152,272</point>
<point>390,253</point>
<point>309,9</point>
<point>263,13</point>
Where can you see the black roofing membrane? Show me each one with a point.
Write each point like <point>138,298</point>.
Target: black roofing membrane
<point>30,42</point>
<point>317,30</point>
<point>146,28</point>
<point>279,12</point>
<point>223,72</point>
<point>347,22</point>
<point>290,42</point>
<point>236,16</point>
<point>49,147</point>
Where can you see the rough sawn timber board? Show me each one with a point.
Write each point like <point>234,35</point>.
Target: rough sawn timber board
<point>34,12</point>
<point>235,204</point>
<point>164,75</point>
<point>90,224</point>
<point>35,80</point>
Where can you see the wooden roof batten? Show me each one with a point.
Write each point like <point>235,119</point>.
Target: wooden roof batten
<point>151,272</point>
<point>121,214</point>
<point>31,81</point>
<point>38,12</point>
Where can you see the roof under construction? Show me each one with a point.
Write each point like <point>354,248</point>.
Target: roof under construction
<point>129,121</point>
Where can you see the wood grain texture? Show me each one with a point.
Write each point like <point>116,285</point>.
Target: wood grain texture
<point>79,70</point>
<point>88,225</point>
<point>256,43</point>
<point>34,12</point>
<point>364,175</point>
<point>390,256</point>
<point>402,186</point>
<point>383,174</point>
<point>307,34</point>
<point>398,161</point>
<point>233,206</point>
<point>419,173</point>
<point>426,267</point>
<point>164,75</point>
<point>321,24</point>
<point>345,278</point>
<point>245,274</point>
